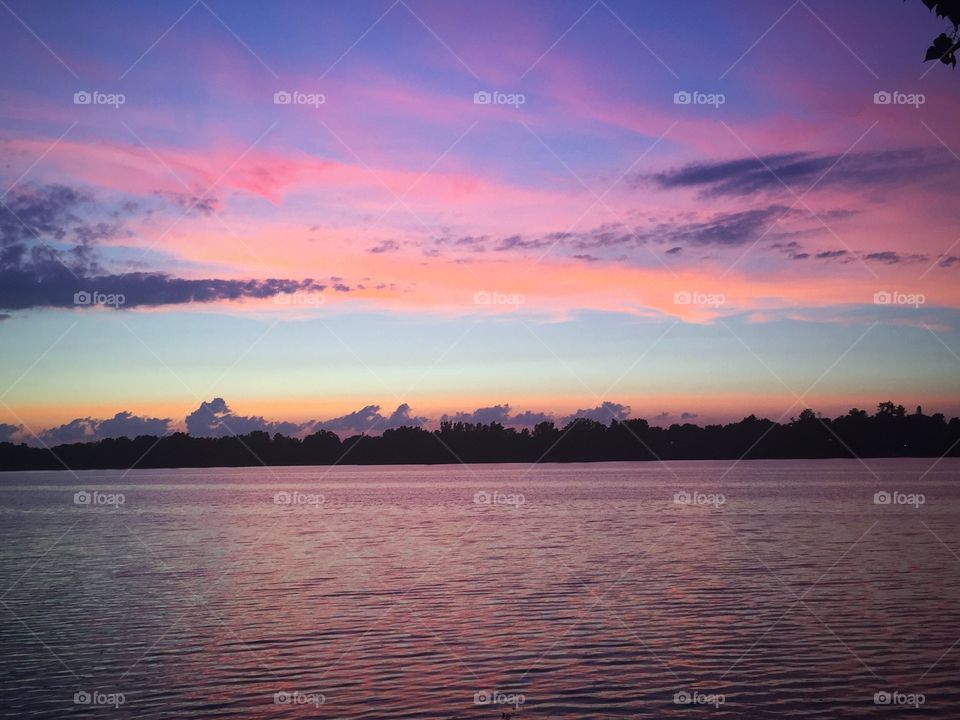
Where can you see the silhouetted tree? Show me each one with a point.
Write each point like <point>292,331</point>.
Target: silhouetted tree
<point>891,432</point>
<point>944,47</point>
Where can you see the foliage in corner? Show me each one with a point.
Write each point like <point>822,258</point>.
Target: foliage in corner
<point>944,47</point>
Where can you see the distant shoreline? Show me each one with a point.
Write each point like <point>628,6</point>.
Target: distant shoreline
<point>551,463</point>
<point>889,433</point>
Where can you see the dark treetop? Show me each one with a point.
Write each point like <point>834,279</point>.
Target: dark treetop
<point>891,432</point>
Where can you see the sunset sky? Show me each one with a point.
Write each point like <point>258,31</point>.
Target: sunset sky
<point>785,240</point>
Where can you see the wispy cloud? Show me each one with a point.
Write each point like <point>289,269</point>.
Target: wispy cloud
<point>49,256</point>
<point>799,171</point>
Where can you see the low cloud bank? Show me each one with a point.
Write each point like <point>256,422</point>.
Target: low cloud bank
<point>215,418</point>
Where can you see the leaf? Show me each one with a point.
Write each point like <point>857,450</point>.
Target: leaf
<point>949,9</point>
<point>942,49</point>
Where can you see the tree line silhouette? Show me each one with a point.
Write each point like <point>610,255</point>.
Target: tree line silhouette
<point>890,432</point>
<point>944,47</point>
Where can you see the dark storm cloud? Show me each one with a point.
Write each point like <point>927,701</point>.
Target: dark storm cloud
<point>799,171</point>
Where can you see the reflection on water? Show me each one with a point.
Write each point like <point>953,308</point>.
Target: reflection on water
<point>802,589</point>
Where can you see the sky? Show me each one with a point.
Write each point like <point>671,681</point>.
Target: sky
<point>358,215</point>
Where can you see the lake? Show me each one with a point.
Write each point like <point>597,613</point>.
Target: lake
<point>808,589</point>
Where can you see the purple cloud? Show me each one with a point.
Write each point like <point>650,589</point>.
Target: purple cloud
<point>123,424</point>
<point>7,432</point>
<point>33,273</point>
<point>216,419</point>
<point>603,413</point>
<point>747,176</point>
<point>498,414</point>
<point>369,420</point>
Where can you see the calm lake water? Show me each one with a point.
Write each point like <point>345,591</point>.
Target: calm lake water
<point>784,589</point>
